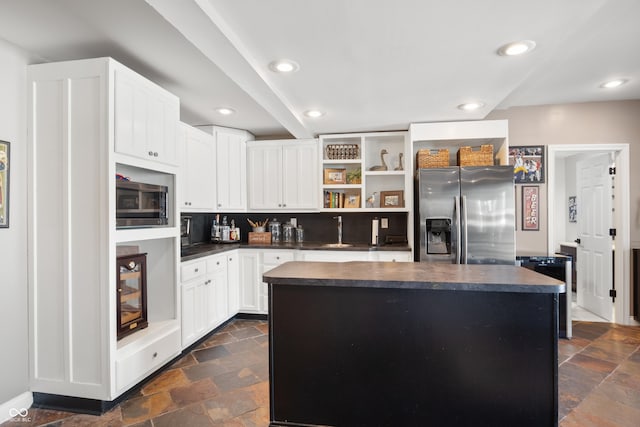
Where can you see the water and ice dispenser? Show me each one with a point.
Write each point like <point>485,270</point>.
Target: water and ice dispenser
<point>438,236</point>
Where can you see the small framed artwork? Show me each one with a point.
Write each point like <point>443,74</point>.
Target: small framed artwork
<point>392,199</point>
<point>530,208</point>
<point>335,176</point>
<point>351,199</point>
<point>573,209</point>
<point>528,164</point>
<point>4,184</point>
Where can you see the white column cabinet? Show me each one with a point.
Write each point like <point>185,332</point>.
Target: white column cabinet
<point>89,120</point>
<point>197,170</point>
<point>282,175</point>
<point>231,168</point>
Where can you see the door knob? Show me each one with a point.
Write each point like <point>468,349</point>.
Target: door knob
<point>577,240</point>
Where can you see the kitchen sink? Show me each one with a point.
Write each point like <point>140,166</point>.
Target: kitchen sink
<point>337,245</point>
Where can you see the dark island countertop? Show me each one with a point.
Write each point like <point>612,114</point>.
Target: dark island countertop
<point>205,249</point>
<point>407,275</point>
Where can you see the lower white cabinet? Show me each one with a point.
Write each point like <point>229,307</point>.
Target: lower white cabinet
<point>205,292</point>
<point>393,256</point>
<point>250,279</point>
<point>270,259</point>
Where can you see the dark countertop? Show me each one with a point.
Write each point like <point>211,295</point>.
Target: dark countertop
<point>205,249</point>
<point>416,275</point>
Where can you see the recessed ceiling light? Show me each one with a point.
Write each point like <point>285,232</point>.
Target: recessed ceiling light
<point>314,114</point>
<point>517,48</point>
<point>225,111</point>
<point>284,66</point>
<point>470,106</point>
<point>613,83</point>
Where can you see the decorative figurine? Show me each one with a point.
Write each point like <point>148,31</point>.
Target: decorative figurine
<point>371,200</point>
<point>383,166</point>
<point>400,166</point>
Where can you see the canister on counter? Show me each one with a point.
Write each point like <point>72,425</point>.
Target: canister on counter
<point>275,230</point>
<point>299,234</point>
<point>288,233</point>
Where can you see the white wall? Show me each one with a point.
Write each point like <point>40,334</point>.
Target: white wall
<point>14,356</point>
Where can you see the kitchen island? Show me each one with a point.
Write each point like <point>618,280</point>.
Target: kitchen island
<point>412,344</point>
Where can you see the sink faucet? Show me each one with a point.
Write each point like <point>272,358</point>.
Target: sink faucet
<point>339,218</point>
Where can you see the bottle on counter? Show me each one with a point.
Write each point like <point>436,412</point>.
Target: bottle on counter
<point>274,229</point>
<point>226,230</point>
<point>299,234</point>
<point>215,229</point>
<point>235,231</point>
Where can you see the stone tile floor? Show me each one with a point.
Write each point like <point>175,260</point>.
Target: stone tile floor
<point>224,382</point>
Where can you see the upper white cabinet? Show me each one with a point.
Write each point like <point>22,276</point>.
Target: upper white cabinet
<point>282,175</point>
<point>230,167</point>
<point>146,118</point>
<point>368,171</point>
<point>73,160</point>
<point>197,170</point>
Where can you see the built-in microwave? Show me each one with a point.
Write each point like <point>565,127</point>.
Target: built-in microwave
<point>140,205</point>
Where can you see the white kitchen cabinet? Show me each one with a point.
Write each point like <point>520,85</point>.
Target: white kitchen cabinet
<point>73,160</point>
<point>282,175</point>
<point>197,171</point>
<point>393,256</point>
<point>333,256</point>
<point>146,118</point>
<point>204,296</point>
<point>250,279</point>
<point>230,167</point>
<point>271,258</point>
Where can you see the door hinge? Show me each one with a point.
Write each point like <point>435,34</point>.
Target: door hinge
<point>613,294</point>
<point>612,170</point>
<point>612,232</point>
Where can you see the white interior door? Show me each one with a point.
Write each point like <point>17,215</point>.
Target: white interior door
<point>594,219</point>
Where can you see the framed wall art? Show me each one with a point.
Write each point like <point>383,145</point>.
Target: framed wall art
<point>392,199</point>
<point>573,209</point>
<point>530,208</point>
<point>335,176</point>
<point>528,164</point>
<point>4,184</point>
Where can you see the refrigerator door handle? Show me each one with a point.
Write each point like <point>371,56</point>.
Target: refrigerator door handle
<point>463,206</point>
<point>458,241</point>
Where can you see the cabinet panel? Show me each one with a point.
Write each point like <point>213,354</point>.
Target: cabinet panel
<point>249,282</point>
<point>299,175</point>
<point>193,311</point>
<point>146,118</point>
<point>282,175</point>
<point>196,170</point>
<point>233,283</point>
<point>264,163</point>
<point>231,169</point>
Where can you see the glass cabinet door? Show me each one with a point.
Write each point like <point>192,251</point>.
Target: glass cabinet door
<point>131,300</point>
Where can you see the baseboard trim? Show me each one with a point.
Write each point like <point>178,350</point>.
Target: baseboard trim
<point>17,409</point>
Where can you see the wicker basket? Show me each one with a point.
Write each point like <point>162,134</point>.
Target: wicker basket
<point>467,156</point>
<point>432,158</point>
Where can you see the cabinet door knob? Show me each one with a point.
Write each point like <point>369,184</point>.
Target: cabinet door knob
<point>219,205</point>
<point>195,270</point>
<point>218,263</point>
<point>155,354</point>
<point>155,154</point>
<point>151,153</point>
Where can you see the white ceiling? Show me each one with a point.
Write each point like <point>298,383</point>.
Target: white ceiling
<point>370,65</point>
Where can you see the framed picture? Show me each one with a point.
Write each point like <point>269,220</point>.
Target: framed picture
<point>351,199</point>
<point>4,184</point>
<point>335,176</point>
<point>528,164</point>
<point>392,199</point>
<point>530,208</point>
<point>573,209</point>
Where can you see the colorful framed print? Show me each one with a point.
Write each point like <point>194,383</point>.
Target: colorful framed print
<point>528,164</point>
<point>530,208</point>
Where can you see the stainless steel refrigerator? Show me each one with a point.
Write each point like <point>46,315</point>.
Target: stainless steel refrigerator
<point>466,215</point>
